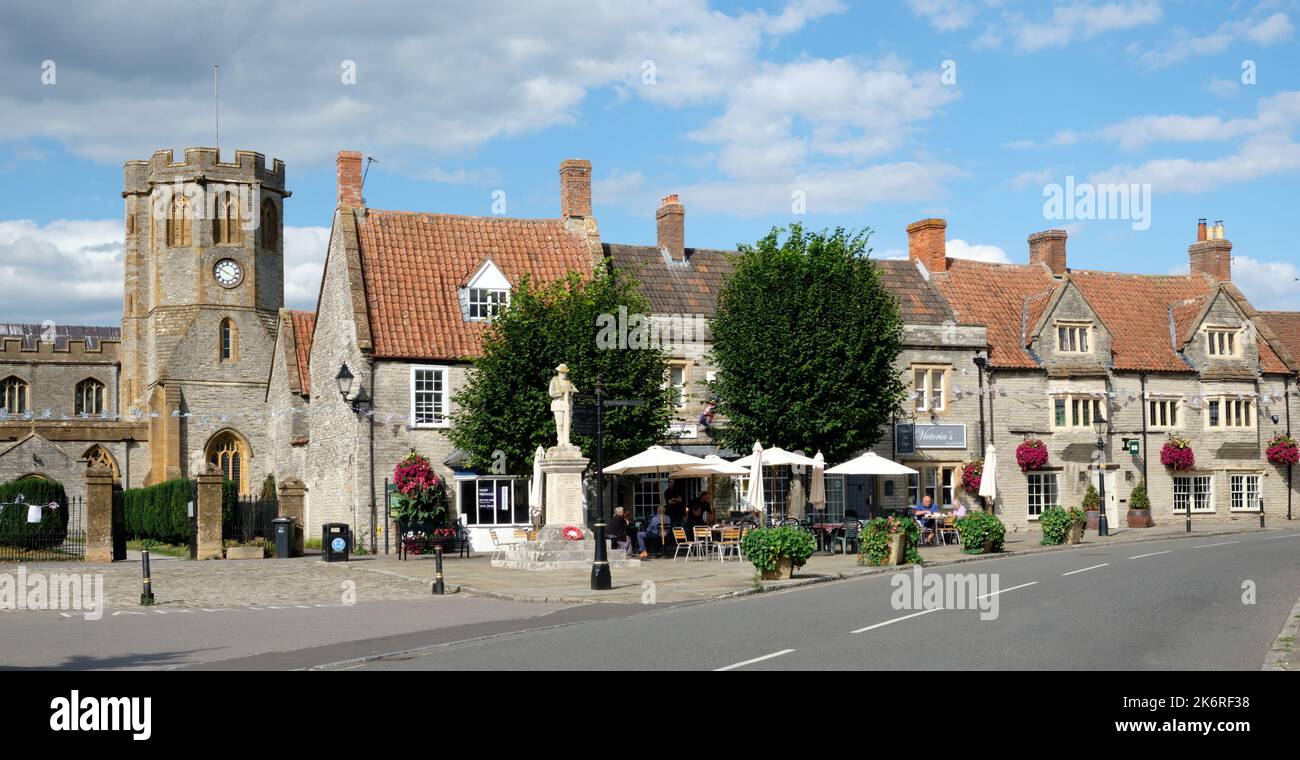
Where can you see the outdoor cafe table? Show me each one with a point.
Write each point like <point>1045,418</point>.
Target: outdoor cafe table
<point>826,531</point>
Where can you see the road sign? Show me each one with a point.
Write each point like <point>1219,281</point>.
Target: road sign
<point>1134,447</point>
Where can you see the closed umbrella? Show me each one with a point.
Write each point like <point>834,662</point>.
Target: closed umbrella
<point>796,499</point>
<point>817,489</point>
<point>754,496</point>
<point>775,457</point>
<point>988,484</point>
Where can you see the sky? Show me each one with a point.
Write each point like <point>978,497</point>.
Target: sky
<point>819,112</point>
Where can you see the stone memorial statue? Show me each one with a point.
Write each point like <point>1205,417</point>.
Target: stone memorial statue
<point>562,390</point>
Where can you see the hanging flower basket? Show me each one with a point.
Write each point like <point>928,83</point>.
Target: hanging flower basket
<point>972,473</point>
<point>1283,450</point>
<point>1177,454</point>
<point>1031,454</point>
<point>572,533</point>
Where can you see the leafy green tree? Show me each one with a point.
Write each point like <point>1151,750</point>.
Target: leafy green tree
<point>504,412</point>
<point>805,341</point>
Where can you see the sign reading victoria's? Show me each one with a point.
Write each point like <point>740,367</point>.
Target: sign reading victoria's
<point>909,438</point>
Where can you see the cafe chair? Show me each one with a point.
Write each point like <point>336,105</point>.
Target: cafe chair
<point>846,536</point>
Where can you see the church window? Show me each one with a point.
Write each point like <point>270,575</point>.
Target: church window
<point>13,395</point>
<point>90,397</point>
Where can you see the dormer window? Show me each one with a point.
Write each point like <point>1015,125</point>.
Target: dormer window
<point>485,294</point>
<point>484,303</point>
<point>1073,338</point>
<point>1223,341</point>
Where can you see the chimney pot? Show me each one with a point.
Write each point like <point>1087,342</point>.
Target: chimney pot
<point>348,164</point>
<point>670,227</point>
<point>1200,231</point>
<point>927,242</point>
<point>575,187</point>
<point>1048,248</point>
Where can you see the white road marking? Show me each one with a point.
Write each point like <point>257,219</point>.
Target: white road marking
<point>1221,543</point>
<point>756,659</point>
<point>1084,570</point>
<point>1274,538</point>
<point>896,620</point>
<point>1152,554</point>
<point>1005,590</point>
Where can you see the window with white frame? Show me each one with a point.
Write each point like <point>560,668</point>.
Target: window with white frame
<point>1163,413</point>
<point>646,495</point>
<point>1194,490</point>
<point>1245,492</point>
<point>430,397</point>
<point>1077,411</point>
<point>494,501</point>
<point>1073,338</point>
<point>485,302</point>
<point>1223,341</point>
<point>677,372</point>
<point>931,388</point>
<point>834,498</point>
<point>939,482</point>
<point>1229,412</point>
<point>1044,492</point>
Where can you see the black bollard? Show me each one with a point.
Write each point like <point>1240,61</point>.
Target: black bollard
<point>1261,512</point>
<point>438,588</point>
<point>146,597</point>
<point>600,580</point>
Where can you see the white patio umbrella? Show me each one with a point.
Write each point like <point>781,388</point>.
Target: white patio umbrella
<point>870,463</point>
<point>713,465</point>
<point>754,496</point>
<point>988,485</point>
<point>655,460</point>
<point>535,489</point>
<point>775,457</point>
<point>817,488</point>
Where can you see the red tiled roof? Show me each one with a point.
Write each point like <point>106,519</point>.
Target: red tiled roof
<point>994,295</point>
<point>1035,305</point>
<point>413,265</point>
<point>919,302</point>
<point>1185,314</point>
<point>1136,311</point>
<point>304,328</point>
<point>1286,326</point>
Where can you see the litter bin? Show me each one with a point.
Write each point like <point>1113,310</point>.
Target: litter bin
<point>336,542</point>
<point>286,533</point>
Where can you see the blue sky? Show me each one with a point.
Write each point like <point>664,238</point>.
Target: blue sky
<point>734,106</point>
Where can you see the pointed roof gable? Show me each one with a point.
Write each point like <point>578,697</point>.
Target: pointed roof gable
<point>994,295</point>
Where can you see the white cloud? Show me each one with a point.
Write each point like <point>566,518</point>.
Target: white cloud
<point>1270,285</point>
<point>71,271</point>
<point>1267,31</point>
<point>1136,133</point>
<point>1080,20</point>
<point>960,249</point>
<point>1039,177</point>
<point>1223,88</point>
<point>945,15</point>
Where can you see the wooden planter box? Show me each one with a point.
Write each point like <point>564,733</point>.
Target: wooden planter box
<point>1139,518</point>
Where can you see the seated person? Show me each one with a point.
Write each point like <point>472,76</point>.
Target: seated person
<point>927,509</point>
<point>618,530</point>
<point>694,519</point>
<point>657,532</point>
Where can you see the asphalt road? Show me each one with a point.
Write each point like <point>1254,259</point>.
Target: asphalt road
<point>1175,604</point>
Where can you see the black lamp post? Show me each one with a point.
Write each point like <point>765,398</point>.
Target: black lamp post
<point>1101,426</point>
<point>981,361</point>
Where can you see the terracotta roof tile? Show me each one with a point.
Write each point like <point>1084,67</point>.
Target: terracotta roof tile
<point>1035,305</point>
<point>994,295</point>
<point>1286,326</point>
<point>919,302</point>
<point>413,265</point>
<point>304,328</point>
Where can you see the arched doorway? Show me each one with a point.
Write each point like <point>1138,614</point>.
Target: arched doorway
<point>98,456</point>
<point>228,452</point>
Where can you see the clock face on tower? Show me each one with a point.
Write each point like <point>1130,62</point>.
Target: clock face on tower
<point>228,273</point>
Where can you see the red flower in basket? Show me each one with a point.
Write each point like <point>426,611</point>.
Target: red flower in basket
<point>1031,454</point>
<point>1283,450</point>
<point>572,533</point>
<point>1177,454</point>
<point>972,473</point>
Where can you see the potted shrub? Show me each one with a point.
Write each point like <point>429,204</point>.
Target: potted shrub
<point>776,552</point>
<point>889,541</point>
<point>1139,507</point>
<point>1092,506</point>
<point>1177,454</point>
<point>981,533</point>
<point>1061,526</point>
<point>1282,449</point>
<point>1031,454</point>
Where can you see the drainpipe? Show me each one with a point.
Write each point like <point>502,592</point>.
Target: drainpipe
<point>1146,457</point>
<point>1290,484</point>
<point>373,547</point>
<point>992,434</point>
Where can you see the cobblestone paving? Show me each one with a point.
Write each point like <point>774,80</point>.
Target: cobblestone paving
<point>227,583</point>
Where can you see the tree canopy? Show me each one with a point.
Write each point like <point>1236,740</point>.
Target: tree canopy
<point>805,341</point>
<point>503,413</point>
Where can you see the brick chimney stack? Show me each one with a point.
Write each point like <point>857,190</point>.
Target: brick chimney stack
<point>670,227</point>
<point>1048,247</point>
<point>1211,254</point>
<point>927,242</point>
<point>575,188</point>
<point>348,164</point>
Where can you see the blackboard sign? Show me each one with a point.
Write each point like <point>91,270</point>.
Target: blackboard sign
<point>486,494</point>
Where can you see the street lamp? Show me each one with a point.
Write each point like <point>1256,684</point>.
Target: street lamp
<point>360,403</point>
<point>344,379</point>
<point>1101,426</point>
<point>981,361</point>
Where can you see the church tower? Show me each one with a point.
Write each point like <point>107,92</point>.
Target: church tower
<point>204,282</point>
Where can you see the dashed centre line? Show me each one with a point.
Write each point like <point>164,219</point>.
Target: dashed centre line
<point>1221,543</point>
<point>897,620</point>
<point>756,659</point>
<point>1152,554</point>
<point>1085,569</point>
